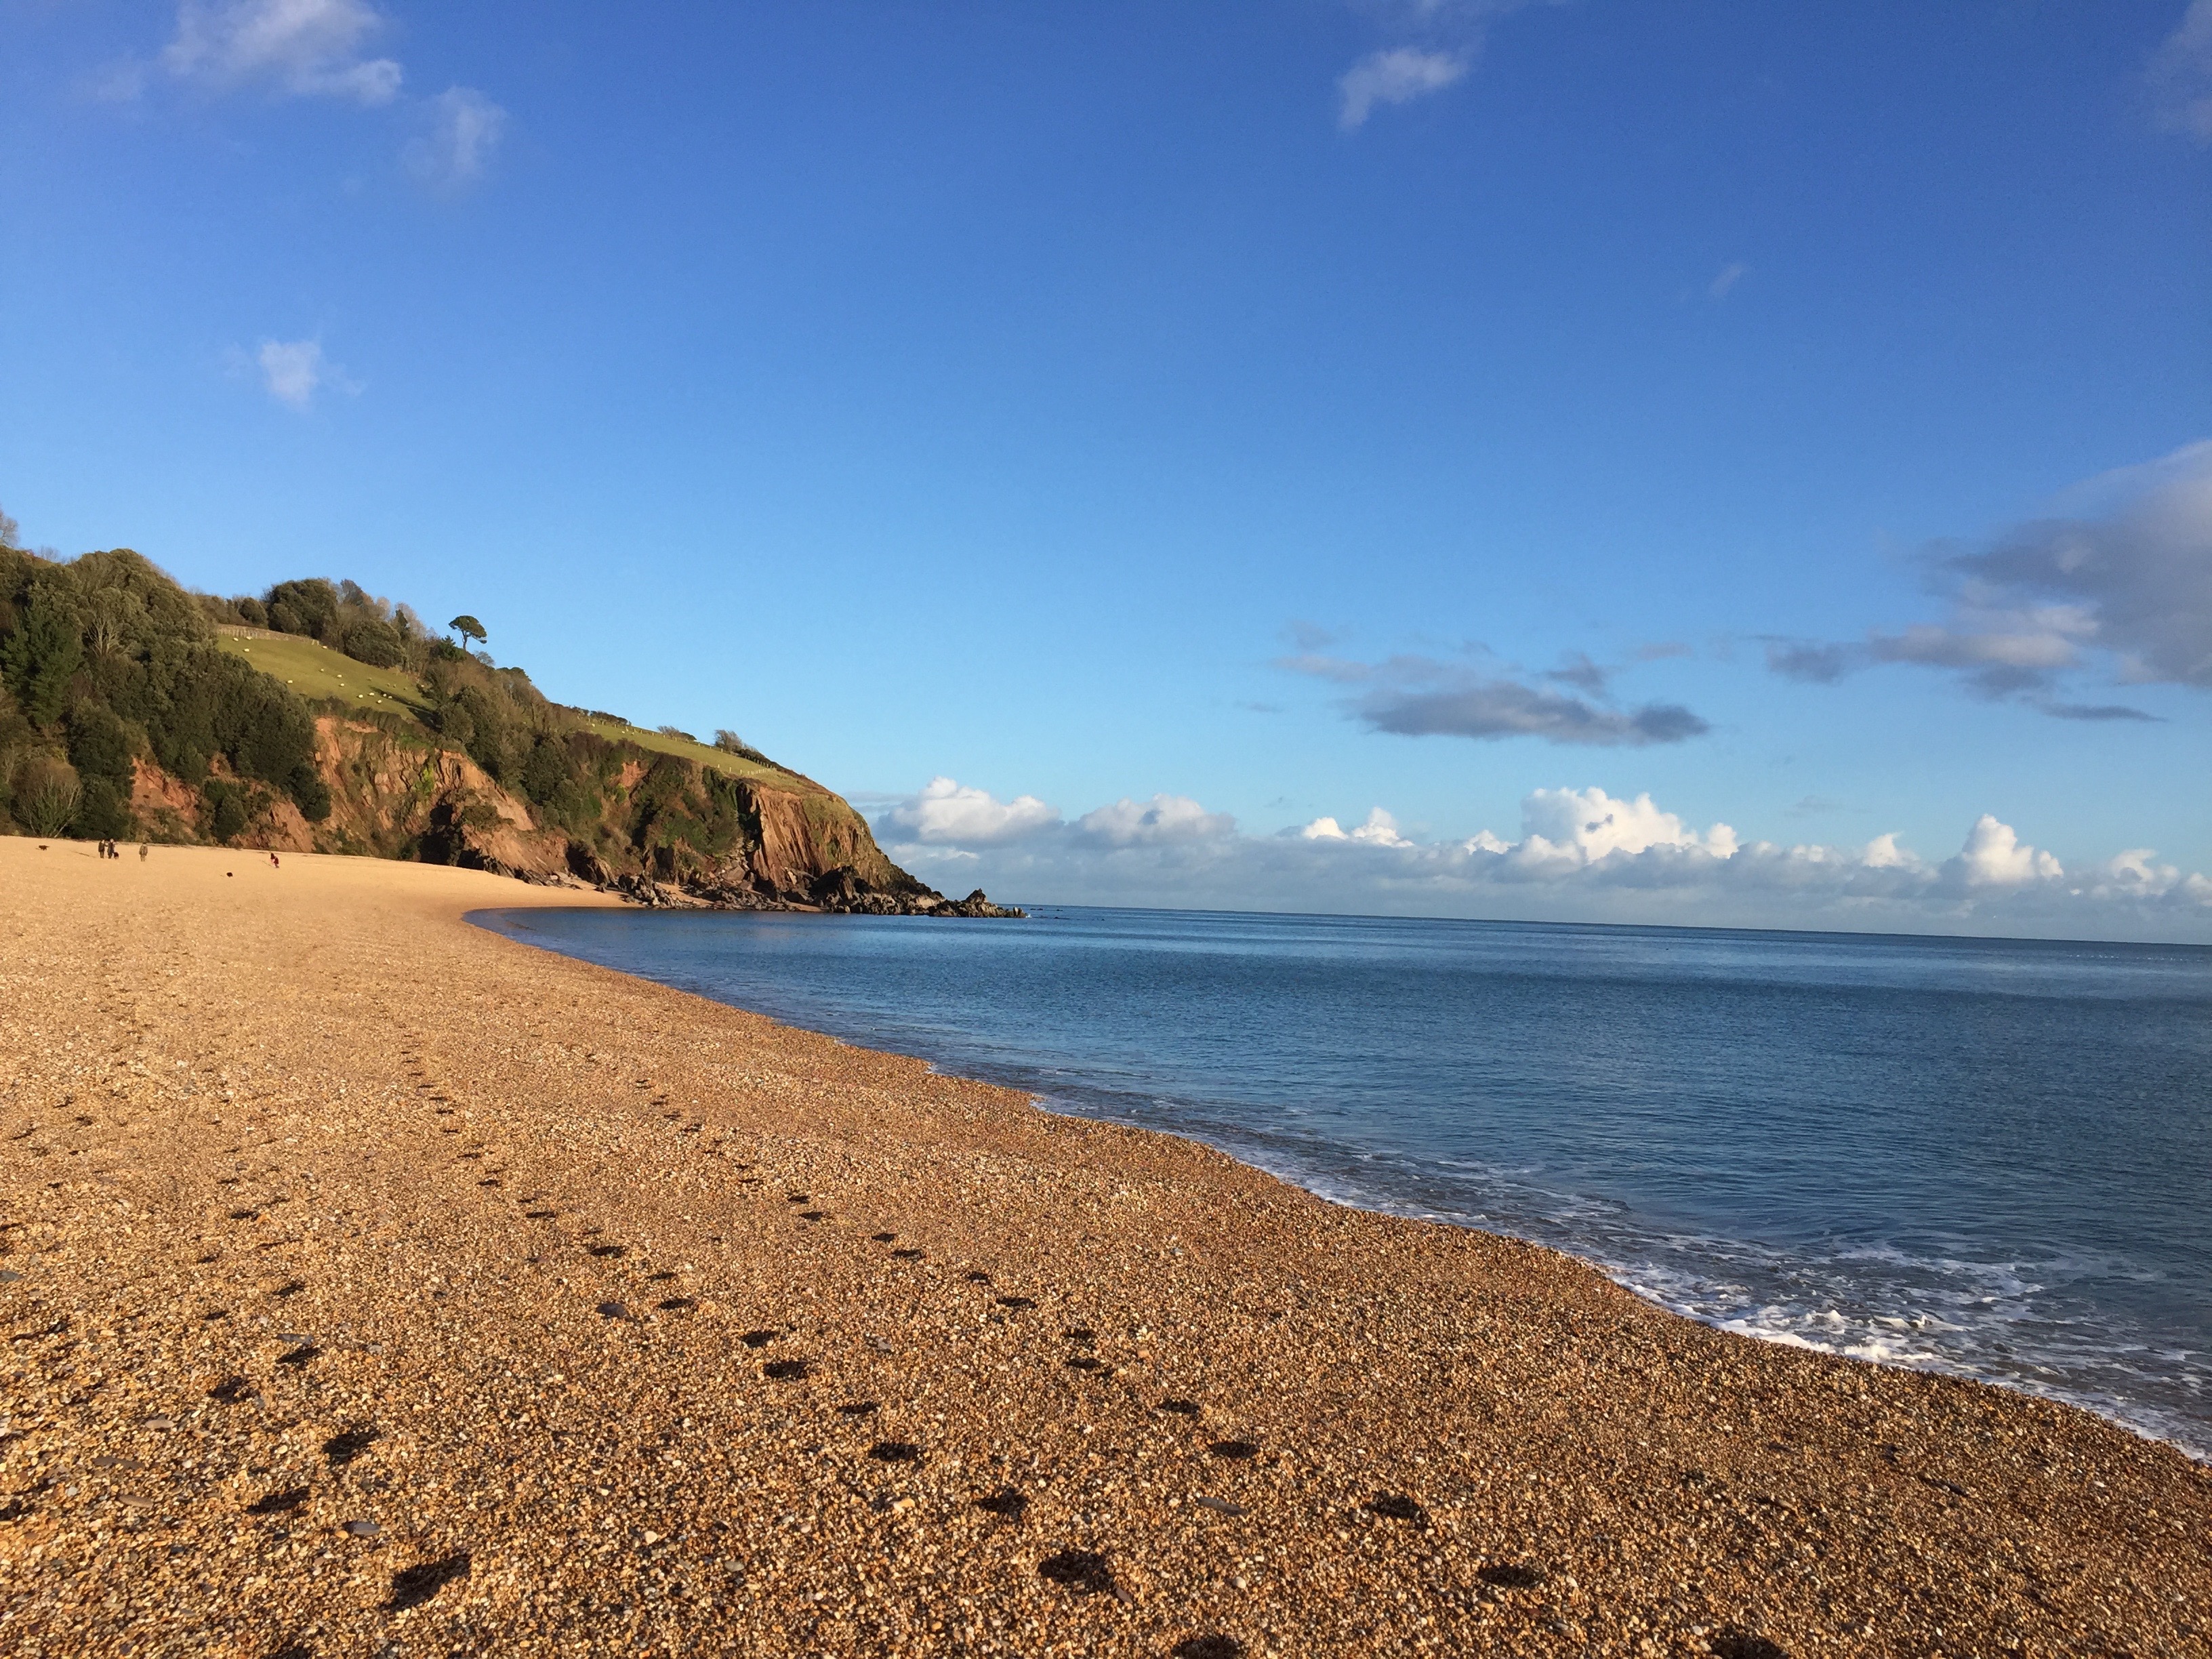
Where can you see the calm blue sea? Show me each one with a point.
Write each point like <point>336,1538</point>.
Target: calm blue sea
<point>1985,1156</point>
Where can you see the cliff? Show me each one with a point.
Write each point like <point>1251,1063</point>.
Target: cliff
<point>129,709</point>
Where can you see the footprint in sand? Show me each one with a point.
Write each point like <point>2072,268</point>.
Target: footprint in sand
<point>279,1502</point>
<point>884,1238</point>
<point>299,1355</point>
<point>785,1371</point>
<point>1512,1575</point>
<point>908,1256</point>
<point>757,1339</point>
<point>1180,1407</point>
<point>412,1586</point>
<point>977,1277</point>
<point>610,1250</point>
<point>894,1451</point>
<point>1212,1646</point>
<point>234,1391</point>
<point>1234,1448</point>
<point>857,1408</point>
<point>1396,1506</point>
<point>1006,1502</point>
<point>677,1304</point>
<point>347,1445</point>
<point>1016,1302</point>
<point>1083,1571</point>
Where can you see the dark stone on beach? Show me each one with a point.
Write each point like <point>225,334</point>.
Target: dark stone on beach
<point>614,1310</point>
<point>364,1529</point>
<point>299,1355</point>
<point>908,1256</point>
<point>884,1238</point>
<point>1082,1571</point>
<point>412,1586</point>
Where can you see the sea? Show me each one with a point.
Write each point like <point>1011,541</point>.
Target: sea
<point>1990,1158</point>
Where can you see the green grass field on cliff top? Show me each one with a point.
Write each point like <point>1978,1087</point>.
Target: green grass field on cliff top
<point>316,672</point>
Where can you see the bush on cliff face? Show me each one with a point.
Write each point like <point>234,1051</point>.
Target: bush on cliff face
<point>105,658</point>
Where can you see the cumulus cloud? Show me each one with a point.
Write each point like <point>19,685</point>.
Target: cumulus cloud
<point>1580,855</point>
<point>2181,75</point>
<point>2124,587</point>
<point>458,131</point>
<point>293,371</point>
<point>1397,75</point>
<point>296,48</point>
<point>946,813</point>
<point>1162,819</point>
<point>1418,696</point>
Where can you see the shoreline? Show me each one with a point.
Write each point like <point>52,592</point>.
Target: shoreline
<point>492,1231</point>
<point>2134,1419</point>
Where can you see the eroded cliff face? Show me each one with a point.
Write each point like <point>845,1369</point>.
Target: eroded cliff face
<point>664,833</point>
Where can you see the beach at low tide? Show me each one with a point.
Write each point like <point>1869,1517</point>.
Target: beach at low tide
<point>378,1285</point>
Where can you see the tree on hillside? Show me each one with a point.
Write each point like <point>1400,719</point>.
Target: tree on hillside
<point>468,628</point>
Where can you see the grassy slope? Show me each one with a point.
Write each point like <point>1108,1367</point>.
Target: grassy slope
<point>315,671</point>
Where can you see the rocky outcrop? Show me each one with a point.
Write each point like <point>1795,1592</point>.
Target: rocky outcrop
<point>398,796</point>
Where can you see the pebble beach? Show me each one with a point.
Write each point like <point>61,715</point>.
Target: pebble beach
<point>377,1286</point>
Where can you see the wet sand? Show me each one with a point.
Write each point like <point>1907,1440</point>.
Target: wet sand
<point>373,1285</point>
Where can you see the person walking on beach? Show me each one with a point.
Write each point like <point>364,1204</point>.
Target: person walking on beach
<point>142,852</point>
<point>273,865</point>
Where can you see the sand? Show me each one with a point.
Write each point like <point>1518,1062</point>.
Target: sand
<point>374,1284</point>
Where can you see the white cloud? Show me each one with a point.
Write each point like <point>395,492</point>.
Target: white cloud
<point>947,813</point>
<point>294,370</point>
<point>298,48</point>
<point>1994,855</point>
<point>1729,276</point>
<point>2181,75</point>
<point>1380,829</point>
<point>2124,585</point>
<point>1397,75</point>
<point>461,129</point>
<point>1163,818</point>
<point>1581,854</point>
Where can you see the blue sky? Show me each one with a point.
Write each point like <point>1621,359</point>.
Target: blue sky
<point>1260,415</point>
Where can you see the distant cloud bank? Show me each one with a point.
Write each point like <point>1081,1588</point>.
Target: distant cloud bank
<point>1581,855</point>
